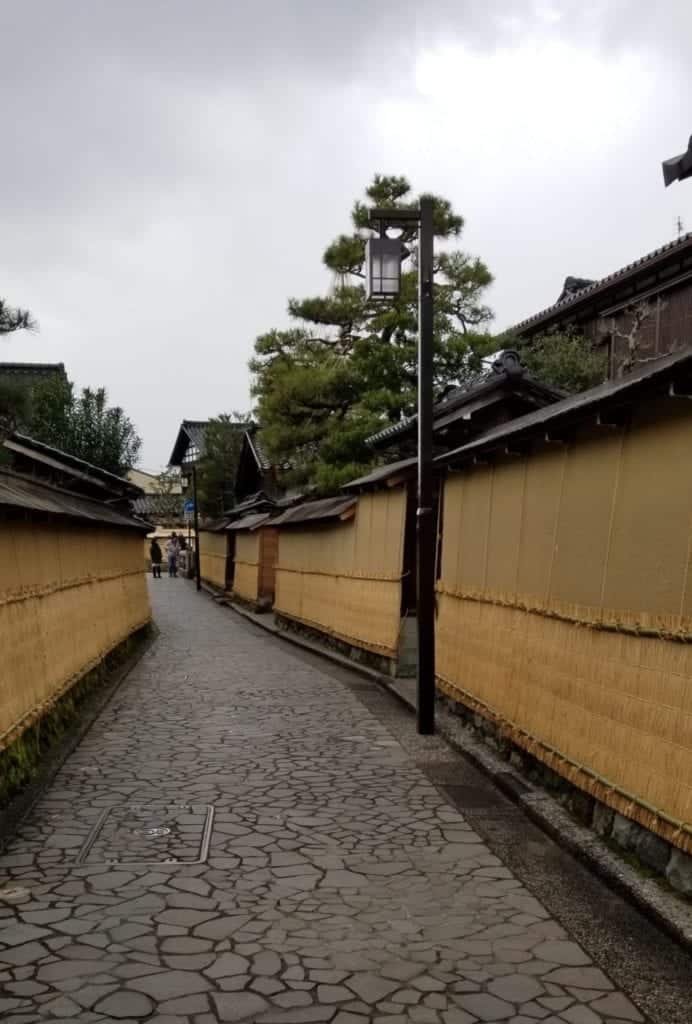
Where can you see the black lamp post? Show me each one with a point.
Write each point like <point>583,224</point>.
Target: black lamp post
<point>185,481</point>
<point>383,268</point>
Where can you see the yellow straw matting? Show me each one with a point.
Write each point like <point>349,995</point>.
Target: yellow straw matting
<point>68,595</point>
<point>345,578</point>
<point>565,609</point>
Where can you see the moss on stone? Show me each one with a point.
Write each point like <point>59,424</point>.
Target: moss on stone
<point>22,762</point>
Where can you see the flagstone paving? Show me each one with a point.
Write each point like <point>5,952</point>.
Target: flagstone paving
<point>239,838</point>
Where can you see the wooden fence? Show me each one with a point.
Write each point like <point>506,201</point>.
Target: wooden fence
<point>565,609</point>
<point>213,557</point>
<point>69,594</point>
<point>255,564</point>
<point>344,577</point>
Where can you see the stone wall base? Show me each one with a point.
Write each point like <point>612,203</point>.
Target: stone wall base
<point>379,662</point>
<point>643,848</point>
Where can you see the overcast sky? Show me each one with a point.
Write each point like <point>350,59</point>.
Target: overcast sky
<point>170,170</point>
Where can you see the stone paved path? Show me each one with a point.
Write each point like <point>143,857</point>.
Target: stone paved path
<point>239,839</point>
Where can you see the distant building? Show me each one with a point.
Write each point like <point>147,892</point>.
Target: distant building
<point>255,473</point>
<point>190,447</point>
<point>151,483</point>
<point>161,502</point>
<point>637,313</point>
<point>38,461</point>
<point>190,444</point>
<point>28,374</point>
<point>22,380</point>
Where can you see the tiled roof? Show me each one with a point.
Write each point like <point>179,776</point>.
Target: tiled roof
<point>499,377</point>
<point>33,496</point>
<point>63,462</point>
<point>261,457</point>
<point>314,511</point>
<point>196,430</point>
<point>24,370</point>
<point>190,432</point>
<point>380,474</point>
<point>249,522</point>
<point>616,393</point>
<point>574,299</point>
<point>257,502</point>
<point>159,505</point>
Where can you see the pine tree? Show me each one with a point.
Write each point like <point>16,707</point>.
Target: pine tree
<point>349,365</point>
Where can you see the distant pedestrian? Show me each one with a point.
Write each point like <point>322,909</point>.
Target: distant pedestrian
<point>173,550</point>
<point>156,559</point>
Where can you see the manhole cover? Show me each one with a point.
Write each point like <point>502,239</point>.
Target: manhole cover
<point>149,834</point>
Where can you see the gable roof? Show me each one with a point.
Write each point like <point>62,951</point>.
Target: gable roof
<point>250,522</point>
<point>391,474</point>
<point>69,465</point>
<point>507,377</point>
<point>257,502</point>
<point>31,371</point>
<point>258,453</point>
<point>190,433</point>
<point>677,252</point>
<point>322,510</point>
<point>28,495</point>
<point>646,378</point>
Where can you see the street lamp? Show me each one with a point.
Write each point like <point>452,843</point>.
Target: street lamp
<point>382,275</point>
<point>383,258</point>
<point>678,167</point>
<point>185,480</point>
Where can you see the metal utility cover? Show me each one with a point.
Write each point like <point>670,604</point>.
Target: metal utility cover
<point>149,834</point>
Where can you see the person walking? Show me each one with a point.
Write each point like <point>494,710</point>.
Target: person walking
<point>172,550</point>
<point>156,558</point>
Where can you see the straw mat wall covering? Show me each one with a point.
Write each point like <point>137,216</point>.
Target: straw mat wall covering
<point>565,610</point>
<point>345,578</point>
<point>213,554</point>
<point>247,557</point>
<point>68,595</point>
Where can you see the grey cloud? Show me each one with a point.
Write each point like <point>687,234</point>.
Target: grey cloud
<point>171,170</point>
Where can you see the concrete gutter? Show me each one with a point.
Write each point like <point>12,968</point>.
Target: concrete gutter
<point>671,913</point>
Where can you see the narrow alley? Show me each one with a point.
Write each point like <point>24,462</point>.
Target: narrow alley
<point>248,833</point>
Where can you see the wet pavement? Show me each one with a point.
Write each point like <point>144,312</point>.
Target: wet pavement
<point>242,836</point>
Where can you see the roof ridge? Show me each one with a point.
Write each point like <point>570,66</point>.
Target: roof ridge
<point>607,279</point>
<point>42,446</point>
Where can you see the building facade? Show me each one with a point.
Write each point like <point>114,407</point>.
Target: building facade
<point>639,313</point>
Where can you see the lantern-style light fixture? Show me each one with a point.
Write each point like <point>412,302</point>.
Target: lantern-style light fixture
<point>383,258</point>
<point>678,167</point>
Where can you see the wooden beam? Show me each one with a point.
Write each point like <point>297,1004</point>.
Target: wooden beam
<point>613,419</point>
<point>679,390</point>
<point>517,448</point>
<point>557,435</point>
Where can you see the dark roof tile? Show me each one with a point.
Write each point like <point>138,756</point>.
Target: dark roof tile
<point>573,299</point>
<point>612,393</point>
<point>18,492</point>
<point>322,510</point>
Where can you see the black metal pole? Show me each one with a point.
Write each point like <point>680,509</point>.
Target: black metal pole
<point>425,520</point>
<point>198,577</point>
